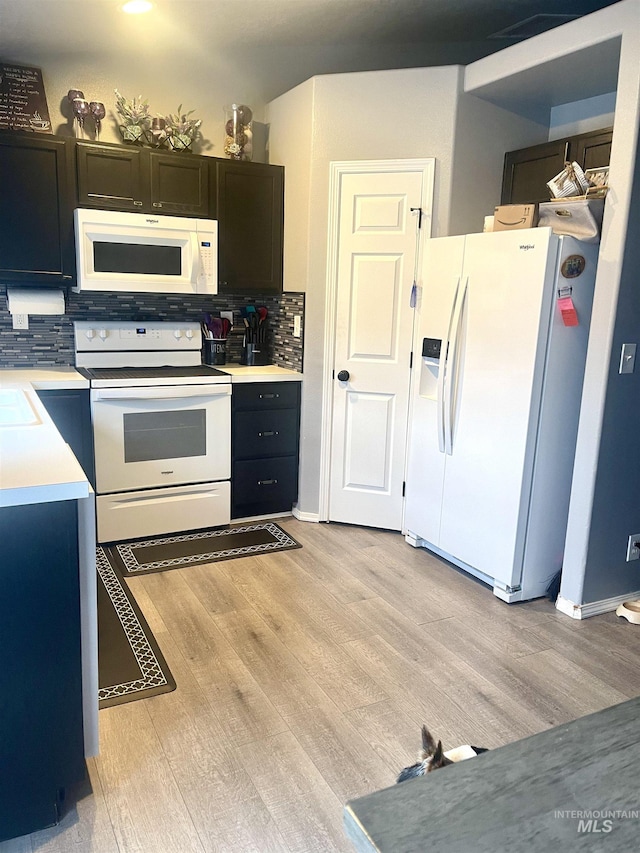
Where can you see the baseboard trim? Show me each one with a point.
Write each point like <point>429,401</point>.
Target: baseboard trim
<point>305,516</point>
<point>593,608</point>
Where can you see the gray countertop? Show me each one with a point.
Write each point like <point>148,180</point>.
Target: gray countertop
<point>530,796</point>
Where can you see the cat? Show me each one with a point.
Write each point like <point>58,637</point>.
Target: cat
<point>432,756</point>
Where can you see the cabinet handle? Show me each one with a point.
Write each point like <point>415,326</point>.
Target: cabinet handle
<point>268,434</point>
<point>138,203</point>
<point>267,482</point>
<point>269,396</point>
<point>157,204</point>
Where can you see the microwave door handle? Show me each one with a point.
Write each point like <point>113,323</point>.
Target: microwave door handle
<point>197,267</point>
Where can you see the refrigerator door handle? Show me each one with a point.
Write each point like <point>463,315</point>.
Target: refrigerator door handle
<point>444,368</point>
<point>452,368</point>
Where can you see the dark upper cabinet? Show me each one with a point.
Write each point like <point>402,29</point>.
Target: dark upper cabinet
<point>527,171</point>
<point>128,178</point>
<point>250,212</point>
<point>36,221</point>
<point>110,177</point>
<point>179,184</point>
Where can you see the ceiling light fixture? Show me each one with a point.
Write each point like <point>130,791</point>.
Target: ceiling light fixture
<point>137,7</point>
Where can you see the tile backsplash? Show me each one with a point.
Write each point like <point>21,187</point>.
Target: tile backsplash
<point>49,339</point>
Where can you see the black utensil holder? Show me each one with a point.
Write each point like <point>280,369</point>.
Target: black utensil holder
<point>253,354</point>
<point>215,351</point>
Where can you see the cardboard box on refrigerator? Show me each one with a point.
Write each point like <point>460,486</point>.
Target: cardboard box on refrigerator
<point>510,217</point>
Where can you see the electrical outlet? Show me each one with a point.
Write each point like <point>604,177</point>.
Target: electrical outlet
<point>228,315</point>
<point>297,325</point>
<point>20,321</point>
<point>633,547</point>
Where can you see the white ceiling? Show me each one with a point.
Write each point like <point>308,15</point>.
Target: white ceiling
<point>282,42</point>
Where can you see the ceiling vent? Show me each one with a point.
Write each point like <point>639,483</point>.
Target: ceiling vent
<point>533,26</point>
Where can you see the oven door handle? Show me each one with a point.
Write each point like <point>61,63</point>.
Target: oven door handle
<point>172,392</point>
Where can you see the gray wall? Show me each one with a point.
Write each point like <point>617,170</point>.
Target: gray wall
<point>616,502</point>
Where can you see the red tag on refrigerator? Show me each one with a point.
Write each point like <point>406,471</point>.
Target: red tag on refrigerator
<point>568,311</point>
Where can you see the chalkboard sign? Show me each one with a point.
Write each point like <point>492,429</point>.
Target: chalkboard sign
<point>23,103</point>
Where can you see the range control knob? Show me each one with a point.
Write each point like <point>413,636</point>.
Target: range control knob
<point>90,333</point>
<point>189,334</point>
<point>103,334</point>
<point>177,334</point>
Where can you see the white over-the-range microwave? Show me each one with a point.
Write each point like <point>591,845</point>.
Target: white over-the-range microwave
<point>145,253</point>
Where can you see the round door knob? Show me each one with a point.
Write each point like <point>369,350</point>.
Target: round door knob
<point>343,376</point>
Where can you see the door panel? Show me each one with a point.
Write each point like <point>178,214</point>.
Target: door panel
<point>377,236</point>
<point>500,359</point>
<point>368,414</point>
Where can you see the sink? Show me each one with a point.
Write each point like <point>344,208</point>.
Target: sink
<point>16,409</point>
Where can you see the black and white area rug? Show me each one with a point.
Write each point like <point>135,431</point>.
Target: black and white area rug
<point>130,664</point>
<point>202,546</point>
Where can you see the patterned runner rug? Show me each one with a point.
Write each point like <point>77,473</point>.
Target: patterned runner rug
<point>202,546</point>
<point>130,664</point>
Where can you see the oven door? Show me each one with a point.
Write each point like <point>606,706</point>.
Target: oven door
<point>161,436</point>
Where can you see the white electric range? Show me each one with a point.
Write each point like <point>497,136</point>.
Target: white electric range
<point>161,428</point>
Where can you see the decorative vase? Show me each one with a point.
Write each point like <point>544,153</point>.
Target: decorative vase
<point>238,140</point>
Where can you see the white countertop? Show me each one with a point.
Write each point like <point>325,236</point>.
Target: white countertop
<point>36,465</point>
<point>260,373</point>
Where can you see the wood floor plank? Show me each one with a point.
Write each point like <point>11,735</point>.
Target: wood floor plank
<point>491,708</point>
<point>283,578</point>
<point>413,691</point>
<point>280,675</point>
<point>305,809</point>
<point>602,660</point>
<point>241,706</point>
<point>145,805</point>
<point>340,753</point>
<point>314,643</point>
<point>391,734</point>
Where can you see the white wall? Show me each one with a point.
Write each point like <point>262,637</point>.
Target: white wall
<point>582,116</point>
<point>362,116</point>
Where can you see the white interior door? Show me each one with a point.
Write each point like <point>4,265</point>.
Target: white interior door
<point>375,261</point>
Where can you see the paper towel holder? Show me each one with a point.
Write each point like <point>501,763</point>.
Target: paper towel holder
<point>22,301</point>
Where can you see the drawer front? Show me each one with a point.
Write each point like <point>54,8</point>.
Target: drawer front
<point>264,485</point>
<point>255,396</point>
<point>270,433</point>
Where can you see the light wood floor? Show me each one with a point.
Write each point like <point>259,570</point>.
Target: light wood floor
<point>303,680</point>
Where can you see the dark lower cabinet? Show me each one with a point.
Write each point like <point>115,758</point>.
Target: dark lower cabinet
<point>70,410</point>
<point>41,735</point>
<point>527,170</point>
<point>36,214</point>
<point>264,443</point>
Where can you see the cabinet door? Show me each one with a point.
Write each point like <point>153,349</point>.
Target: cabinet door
<point>250,211</point>
<point>36,220</point>
<point>592,150</point>
<point>527,171</point>
<point>180,184</point>
<point>110,177</point>
<point>70,410</point>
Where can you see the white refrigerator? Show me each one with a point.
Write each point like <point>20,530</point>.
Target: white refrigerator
<point>502,323</point>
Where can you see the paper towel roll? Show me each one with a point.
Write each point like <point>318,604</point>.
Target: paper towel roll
<point>34,301</point>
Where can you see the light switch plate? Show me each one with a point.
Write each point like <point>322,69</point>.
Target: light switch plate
<point>297,325</point>
<point>627,358</point>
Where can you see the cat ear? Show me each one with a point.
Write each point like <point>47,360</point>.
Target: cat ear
<point>438,759</point>
<point>428,743</point>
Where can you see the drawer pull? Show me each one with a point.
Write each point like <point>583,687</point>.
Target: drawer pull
<point>269,396</point>
<point>268,434</point>
<point>267,482</point>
